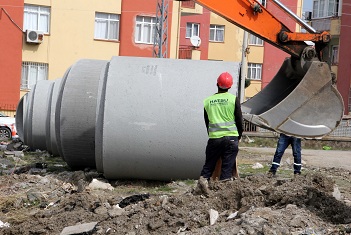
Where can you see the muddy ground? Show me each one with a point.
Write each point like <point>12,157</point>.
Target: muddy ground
<point>45,198</point>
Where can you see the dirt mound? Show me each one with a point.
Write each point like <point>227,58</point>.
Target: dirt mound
<point>257,205</point>
<point>40,195</point>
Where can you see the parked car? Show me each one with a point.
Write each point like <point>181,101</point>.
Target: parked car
<point>7,127</point>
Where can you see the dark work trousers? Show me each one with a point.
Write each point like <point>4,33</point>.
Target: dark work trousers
<point>226,148</point>
<point>283,142</point>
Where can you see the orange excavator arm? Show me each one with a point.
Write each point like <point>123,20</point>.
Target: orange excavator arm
<point>251,16</point>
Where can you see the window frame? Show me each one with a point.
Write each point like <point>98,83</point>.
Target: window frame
<point>215,28</point>
<point>192,29</point>
<point>258,71</point>
<point>144,25</point>
<point>334,57</point>
<point>39,13</point>
<point>263,2</point>
<point>321,8</point>
<point>26,71</point>
<point>108,21</point>
<point>254,40</point>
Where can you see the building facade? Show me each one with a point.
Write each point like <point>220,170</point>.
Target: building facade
<point>334,16</point>
<point>11,21</point>
<point>71,30</point>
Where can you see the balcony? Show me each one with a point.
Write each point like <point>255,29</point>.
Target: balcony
<point>185,53</point>
<point>190,7</point>
<point>188,4</point>
<point>331,24</point>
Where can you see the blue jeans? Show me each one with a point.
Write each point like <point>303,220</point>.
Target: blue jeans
<point>226,148</point>
<point>283,142</point>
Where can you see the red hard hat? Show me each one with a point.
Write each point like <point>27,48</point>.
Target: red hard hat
<point>225,80</point>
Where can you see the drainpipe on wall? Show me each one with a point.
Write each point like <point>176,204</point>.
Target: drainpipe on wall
<point>243,73</point>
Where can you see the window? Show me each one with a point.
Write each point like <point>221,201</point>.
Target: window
<point>254,71</point>
<point>216,33</point>
<point>253,40</point>
<point>263,2</point>
<point>145,29</point>
<point>192,29</point>
<point>325,8</point>
<point>106,26</point>
<point>335,55</point>
<point>36,18</point>
<point>32,73</point>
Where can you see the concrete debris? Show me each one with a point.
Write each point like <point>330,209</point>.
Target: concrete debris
<point>115,211</point>
<point>232,215</point>
<point>336,193</point>
<point>213,216</point>
<point>110,231</point>
<point>68,187</point>
<point>86,228</point>
<point>297,222</point>
<point>257,166</point>
<point>96,184</point>
<point>248,140</point>
<point>255,204</point>
<point>4,225</point>
<point>202,187</point>
<point>3,147</point>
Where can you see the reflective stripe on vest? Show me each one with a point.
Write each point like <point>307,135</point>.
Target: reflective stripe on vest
<point>222,127</point>
<point>220,111</point>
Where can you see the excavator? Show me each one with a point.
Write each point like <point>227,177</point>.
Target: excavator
<point>301,100</point>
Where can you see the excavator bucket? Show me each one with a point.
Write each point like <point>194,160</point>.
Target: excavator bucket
<point>300,101</point>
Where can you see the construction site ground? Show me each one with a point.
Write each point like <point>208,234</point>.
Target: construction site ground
<point>43,196</point>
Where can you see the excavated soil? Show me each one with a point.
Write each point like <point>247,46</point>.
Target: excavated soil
<point>317,202</point>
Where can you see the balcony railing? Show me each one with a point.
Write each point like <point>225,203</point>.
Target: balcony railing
<point>185,53</point>
<point>188,4</point>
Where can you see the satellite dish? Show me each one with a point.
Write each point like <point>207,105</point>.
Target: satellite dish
<point>195,41</point>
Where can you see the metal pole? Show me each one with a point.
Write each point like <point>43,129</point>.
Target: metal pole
<point>293,15</point>
<point>243,72</point>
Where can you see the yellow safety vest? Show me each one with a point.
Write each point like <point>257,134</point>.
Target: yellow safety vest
<point>220,111</point>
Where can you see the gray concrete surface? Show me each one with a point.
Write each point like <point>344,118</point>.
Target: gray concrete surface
<point>153,126</point>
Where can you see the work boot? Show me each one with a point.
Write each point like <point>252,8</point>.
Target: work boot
<point>297,175</point>
<point>227,180</point>
<point>271,174</point>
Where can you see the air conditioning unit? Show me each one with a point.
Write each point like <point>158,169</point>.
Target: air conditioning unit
<point>33,36</point>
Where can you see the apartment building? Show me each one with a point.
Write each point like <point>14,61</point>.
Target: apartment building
<point>274,57</point>
<point>11,15</point>
<point>71,30</point>
<point>334,16</point>
<point>68,31</point>
<point>220,40</point>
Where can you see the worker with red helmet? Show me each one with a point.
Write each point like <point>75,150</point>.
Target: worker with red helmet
<point>223,118</point>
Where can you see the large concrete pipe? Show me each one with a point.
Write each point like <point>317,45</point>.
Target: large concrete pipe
<point>128,117</point>
<point>32,115</point>
<point>27,117</point>
<point>51,142</point>
<point>37,115</point>
<point>152,117</point>
<point>20,114</point>
<point>76,113</point>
